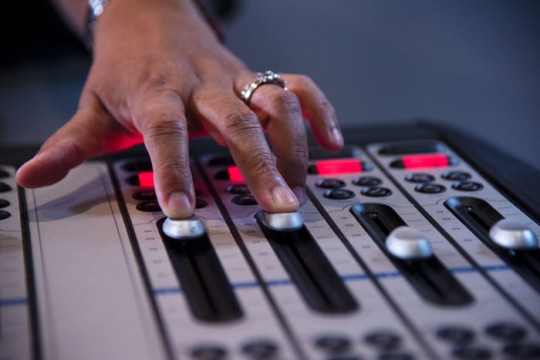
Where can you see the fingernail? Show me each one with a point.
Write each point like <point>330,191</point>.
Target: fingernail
<point>338,137</point>
<point>283,196</point>
<point>179,206</point>
<point>300,193</point>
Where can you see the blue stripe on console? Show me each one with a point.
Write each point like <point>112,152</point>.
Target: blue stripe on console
<point>13,302</point>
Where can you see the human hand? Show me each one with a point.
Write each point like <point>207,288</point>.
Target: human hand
<point>160,76</point>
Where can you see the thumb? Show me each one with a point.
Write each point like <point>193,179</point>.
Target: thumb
<point>89,133</point>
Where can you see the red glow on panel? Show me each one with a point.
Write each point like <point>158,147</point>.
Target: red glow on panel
<point>340,166</point>
<point>235,174</point>
<point>146,179</point>
<point>425,161</point>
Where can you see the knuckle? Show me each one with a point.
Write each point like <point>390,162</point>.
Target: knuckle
<point>260,163</point>
<point>165,127</point>
<point>287,102</point>
<point>240,124</point>
<point>301,81</point>
<point>329,110</point>
<point>176,169</point>
<point>304,81</point>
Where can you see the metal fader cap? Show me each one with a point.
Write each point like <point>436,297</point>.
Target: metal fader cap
<point>282,221</point>
<point>408,243</point>
<point>513,235</point>
<point>183,229</point>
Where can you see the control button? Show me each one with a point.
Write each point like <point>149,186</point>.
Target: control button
<point>455,334</point>
<point>330,183</point>
<point>145,195</point>
<point>4,187</point>
<point>333,343</point>
<point>472,353</point>
<point>244,200</point>
<point>3,174</point>
<point>133,180</point>
<point>396,356</point>
<point>282,221</point>
<point>221,161</point>
<point>467,186</point>
<point>456,175</point>
<point>260,349</point>
<point>408,243</point>
<point>338,166</point>
<point>183,229</point>
<point>149,206</point>
<point>200,203</point>
<point>367,181</point>
<point>376,192</point>
<point>506,332</point>
<point>222,175</point>
<point>383,339</point>
<point>238,189</point>
<point>4,203</point>
<point>138,166</point>
<point>419,178</point>
<point>418,161</point>
<point>522,351</point>
<point>338,194</point>
<point>513,235</point>
<point>4,214</point>
<point>430,188</point>
<point>208,352</point>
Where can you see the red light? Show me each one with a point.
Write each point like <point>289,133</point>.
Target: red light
<point>425,161</point>
<point>235,174</point>
<point>146,179</point>
<point>340,166</point>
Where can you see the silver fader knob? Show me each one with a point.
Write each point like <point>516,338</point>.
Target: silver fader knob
<point>282,221</point>
<point>513,235</point>
<point>183,229</point>
<point>409,244</point>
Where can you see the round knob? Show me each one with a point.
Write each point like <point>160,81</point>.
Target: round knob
<point>513,235</point>
<point>409,244</point>
<point>183,229</point>
<point>282,221</point>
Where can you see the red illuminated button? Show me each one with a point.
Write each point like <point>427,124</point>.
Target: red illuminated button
<point>338,166</point>
<point>146,179</point>
<point>235,174</point>
<point>421,161</point>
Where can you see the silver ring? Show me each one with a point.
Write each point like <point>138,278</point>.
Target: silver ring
<point>267,77</point>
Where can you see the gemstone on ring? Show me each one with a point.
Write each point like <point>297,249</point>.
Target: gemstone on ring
<point>267,77</point>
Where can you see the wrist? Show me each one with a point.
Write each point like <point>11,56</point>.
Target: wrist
<point>95,9</point>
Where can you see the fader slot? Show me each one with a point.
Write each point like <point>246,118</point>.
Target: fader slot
<point>316,279</point>
<point>433,281</point>
<point>203,280</point>
<point>480,217</point>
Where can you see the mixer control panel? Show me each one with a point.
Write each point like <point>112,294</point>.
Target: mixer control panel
<point>401,250</point>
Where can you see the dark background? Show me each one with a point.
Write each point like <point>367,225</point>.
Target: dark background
<point>473,65</point>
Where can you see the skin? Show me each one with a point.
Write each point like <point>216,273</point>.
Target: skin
<point>161,76</point>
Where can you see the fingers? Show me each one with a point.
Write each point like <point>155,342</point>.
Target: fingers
<point>318,110</point>
<point>161,120</point>
<point>90,132</point>
<point>285,127</point>
<point>242,132</point>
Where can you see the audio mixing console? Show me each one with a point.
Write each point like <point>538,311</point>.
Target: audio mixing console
<point>403,249</point>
